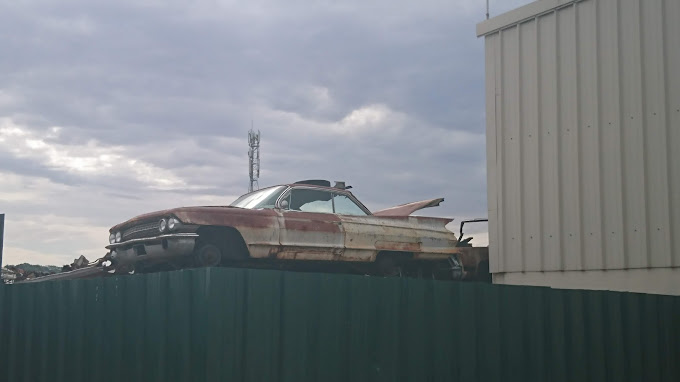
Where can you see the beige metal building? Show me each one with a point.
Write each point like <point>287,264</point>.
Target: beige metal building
<point>583,144</point>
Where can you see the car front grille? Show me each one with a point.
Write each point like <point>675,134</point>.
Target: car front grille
<point>141,230</point>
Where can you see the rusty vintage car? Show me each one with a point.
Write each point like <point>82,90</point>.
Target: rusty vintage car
<point>307,225</point>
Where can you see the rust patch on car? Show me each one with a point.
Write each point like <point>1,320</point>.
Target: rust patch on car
<point>228,216</point>
<point>397,246</point>
<point>223,216</point>
<point>306,253</point>
<point>311,222</point>
<point>274,251</point>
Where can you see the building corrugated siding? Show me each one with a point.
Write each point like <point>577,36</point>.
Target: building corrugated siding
<point>583,135</point>
<point>258,325</point>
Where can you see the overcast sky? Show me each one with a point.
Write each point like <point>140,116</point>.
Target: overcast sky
<point>112,109</point>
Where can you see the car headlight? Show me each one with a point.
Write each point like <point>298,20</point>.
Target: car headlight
<point>162,225</point>
<point>112,238</point>
<point>173,223</point>
<point>119,236</point>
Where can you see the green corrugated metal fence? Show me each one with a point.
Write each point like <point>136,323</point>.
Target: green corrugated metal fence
<point>257,325</point>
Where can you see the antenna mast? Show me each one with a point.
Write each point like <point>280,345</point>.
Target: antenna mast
<point>253,158</point>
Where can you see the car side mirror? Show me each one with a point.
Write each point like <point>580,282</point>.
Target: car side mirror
<point>284,204</point>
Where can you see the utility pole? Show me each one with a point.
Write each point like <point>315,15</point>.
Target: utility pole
<point>2,235</point>
<point>253,158</point>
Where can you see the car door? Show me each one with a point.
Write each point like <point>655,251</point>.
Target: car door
<point>366,235</point>
<point>358,227</point>
<point>309,230</point>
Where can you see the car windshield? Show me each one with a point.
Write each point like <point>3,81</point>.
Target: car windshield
<point>265,198</point>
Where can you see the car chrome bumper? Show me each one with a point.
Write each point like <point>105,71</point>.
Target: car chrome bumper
<point>153,248</point>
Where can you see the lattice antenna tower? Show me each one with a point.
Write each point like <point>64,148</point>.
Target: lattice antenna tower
<point>254,159</point>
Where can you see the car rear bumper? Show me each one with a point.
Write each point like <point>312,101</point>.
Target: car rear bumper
<point>152,248</point>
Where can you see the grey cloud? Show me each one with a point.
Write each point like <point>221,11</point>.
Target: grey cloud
<point>205,62</point>
<point>34,168</point>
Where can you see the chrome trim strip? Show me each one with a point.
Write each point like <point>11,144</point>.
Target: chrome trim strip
<point>152,239</point>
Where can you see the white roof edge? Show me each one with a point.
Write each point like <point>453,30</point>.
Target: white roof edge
<point>520,14</point>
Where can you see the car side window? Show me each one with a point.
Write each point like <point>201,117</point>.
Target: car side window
<point>346,206</point>
<point>310,200</point>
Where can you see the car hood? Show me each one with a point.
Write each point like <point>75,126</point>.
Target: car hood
<point>193,215</point>
<point>408,208</point>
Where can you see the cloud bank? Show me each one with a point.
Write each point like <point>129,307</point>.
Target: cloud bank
<point>112,109</point>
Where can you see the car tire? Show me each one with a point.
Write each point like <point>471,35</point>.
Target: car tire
<point>388,266</point>
<point>208,255</point>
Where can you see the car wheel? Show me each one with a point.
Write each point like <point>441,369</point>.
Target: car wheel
<point>388,266</point>
<point>209,255</point>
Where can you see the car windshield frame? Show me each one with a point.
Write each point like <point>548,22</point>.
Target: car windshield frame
<point>264,198</point>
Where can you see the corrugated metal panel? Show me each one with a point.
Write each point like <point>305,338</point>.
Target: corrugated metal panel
<point>245,325</point>
<point>583,117</point>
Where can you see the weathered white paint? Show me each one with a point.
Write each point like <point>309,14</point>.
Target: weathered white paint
<point>583,136</point>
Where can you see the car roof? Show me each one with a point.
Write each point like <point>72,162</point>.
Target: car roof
<point>333,189</point>
<point>315,186</point>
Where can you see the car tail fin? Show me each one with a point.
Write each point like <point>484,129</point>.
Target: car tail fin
<point>408,208</point>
